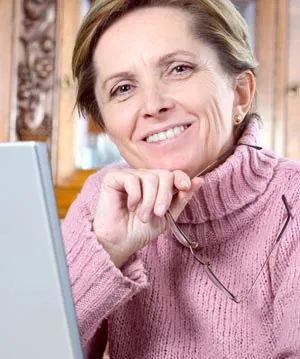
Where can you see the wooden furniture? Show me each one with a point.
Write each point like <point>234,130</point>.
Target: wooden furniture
<point>67,190</point>
<point>37,92</point>
<point>36,86</point>
<point>278,51</point>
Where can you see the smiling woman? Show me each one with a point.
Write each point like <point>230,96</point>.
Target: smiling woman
<point>172,83</point>
<point>158,90</point>
<point>139,82</point>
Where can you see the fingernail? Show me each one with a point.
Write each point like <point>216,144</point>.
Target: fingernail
<point>185,184</point>
<point>161,209</point>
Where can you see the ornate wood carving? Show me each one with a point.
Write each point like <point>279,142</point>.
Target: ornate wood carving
<point>36,70</point>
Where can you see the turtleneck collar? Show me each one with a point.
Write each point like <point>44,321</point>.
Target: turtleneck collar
<point>234,184</point>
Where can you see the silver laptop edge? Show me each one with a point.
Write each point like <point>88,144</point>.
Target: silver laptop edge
<point>38,318</point>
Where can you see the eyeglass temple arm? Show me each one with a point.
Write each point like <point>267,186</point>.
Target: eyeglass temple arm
<point>218,283</point>
<point>180,236</point>
<point>289,215</point>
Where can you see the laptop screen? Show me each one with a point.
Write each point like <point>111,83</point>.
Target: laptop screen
<point>36,307</point>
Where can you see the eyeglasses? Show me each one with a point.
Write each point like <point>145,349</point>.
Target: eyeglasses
<point>207,265</point>
<point>192,245</point>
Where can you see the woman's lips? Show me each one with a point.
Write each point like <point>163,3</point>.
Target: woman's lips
<point>169,134</point>
<point>170,140</point>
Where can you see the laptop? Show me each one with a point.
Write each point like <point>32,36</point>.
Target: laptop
<point>37,316</point>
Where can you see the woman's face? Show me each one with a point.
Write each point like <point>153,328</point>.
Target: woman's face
<point>165,101</point>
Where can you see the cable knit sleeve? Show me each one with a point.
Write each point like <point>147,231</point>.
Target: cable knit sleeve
<point>286,278</point>
<point>98,286</point>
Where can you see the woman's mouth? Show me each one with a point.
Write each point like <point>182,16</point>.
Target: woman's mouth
<point>168,134</point>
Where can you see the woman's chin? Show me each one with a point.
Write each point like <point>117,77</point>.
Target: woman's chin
<point>170,163</point>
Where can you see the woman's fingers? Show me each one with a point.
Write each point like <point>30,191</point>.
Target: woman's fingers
<point>183,197</point>
<point>164,193</point>
<point>151,192</point>
<point>133,188</point>
<point>149,183</point>
<point>157,192</point>
<point>182,181</point>
<point>124,183</point>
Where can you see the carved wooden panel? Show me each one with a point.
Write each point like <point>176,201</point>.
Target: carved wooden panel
<point>35,65</point>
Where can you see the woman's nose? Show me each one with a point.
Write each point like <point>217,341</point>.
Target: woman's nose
<point>156,102</point>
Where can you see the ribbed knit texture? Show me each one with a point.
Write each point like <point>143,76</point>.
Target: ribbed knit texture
<point>162,304</point>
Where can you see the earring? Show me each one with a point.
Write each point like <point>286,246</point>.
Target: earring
<point>238,119</point>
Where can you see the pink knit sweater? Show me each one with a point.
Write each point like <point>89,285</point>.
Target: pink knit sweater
<point>162,304</point>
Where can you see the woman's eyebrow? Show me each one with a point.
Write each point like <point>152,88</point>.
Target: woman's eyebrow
<point>161,61</point>
<point>117,75</point>
<point>170,56</point>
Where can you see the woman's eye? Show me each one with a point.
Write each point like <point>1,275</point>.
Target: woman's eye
<point>181,69</point>
<point>121,90</point>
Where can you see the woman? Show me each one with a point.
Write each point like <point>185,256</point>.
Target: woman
<point>191,249</point>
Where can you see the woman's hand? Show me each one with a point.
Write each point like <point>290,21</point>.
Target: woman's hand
<point>132,206</point>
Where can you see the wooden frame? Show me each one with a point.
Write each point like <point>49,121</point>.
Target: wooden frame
<point>271,42</point>
<point>6,49</point>
<point>292,90</point>
<point>70,14</point>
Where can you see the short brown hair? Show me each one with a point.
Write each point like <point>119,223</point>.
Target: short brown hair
<point>216,22</point>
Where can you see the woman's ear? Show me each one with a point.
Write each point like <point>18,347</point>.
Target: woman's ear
<point>244,90</point>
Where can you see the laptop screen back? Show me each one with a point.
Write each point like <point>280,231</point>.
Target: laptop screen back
<point>36,307</point>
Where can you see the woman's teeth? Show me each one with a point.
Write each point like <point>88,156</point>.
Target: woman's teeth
<point>170,133</point>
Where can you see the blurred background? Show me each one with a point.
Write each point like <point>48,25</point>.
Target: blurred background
<point>37,91</point>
